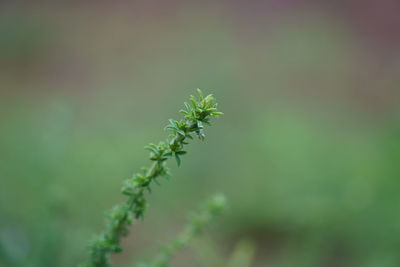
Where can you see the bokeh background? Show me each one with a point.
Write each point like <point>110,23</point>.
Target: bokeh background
<point>308,151</point>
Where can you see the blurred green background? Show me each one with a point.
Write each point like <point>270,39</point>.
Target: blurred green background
<point>308,151</point>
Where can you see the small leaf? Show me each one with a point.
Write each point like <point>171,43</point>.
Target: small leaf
<point>181,132</point>
<point>187,106</point>
<point>200,94</point>
<point>178,159</point>
<point>171,128</point>
<point>193,100</point>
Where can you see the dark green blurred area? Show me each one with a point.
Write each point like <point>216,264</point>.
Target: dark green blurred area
<point>307,152</point>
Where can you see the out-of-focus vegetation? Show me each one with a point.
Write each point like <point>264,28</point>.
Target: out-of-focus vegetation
<point>307,153</point>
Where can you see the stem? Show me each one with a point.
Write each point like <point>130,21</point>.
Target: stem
<point>200,220</point>
<point>122,215</point>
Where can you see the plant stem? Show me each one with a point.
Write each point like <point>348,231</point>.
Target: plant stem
<point>200,220</point>
<point>121,216</point>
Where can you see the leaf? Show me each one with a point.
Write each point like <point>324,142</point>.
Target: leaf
<point>151,149</point>
<point>181,132</point>
<point>178,159</point>
<point>202,136</point>
<point>188,107</point>
<point>171,128</point>
<point>194,102</point>
<point>172,122</point>
<point>200,94</point>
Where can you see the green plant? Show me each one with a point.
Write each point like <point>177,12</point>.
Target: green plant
<point>198,221</point>
<point>196,115</point>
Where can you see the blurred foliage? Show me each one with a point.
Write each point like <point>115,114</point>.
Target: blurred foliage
<point>307,153</point>
<point>199,220</point>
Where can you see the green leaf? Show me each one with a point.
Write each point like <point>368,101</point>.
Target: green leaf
<point>171,128</point>
<point>194,102</point>
<point>181,132</point>
<point>178,159</point>
<point>172,122</point>
<point>200,94</point>
<point>188,107</point>
<point>151,149</point>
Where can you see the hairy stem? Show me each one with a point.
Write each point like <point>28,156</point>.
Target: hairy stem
<point>196,115</point>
